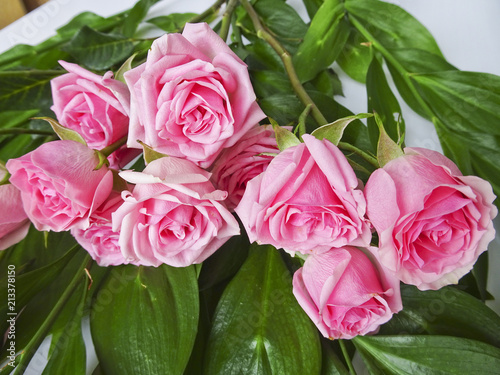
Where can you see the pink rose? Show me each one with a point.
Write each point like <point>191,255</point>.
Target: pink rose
<point>14,223</point>
<point>172,216</point>
<point>432,222</point>
<point>99,239</point>
<point>192,97</point>
<point>346,292</point>
<point>95,107</point>
<point>245,160</point>
<point>59,184</point>
<point>307,200</point>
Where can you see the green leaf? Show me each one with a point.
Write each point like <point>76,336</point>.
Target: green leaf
<point>135,16</point>
<point>31,283</point>
<point>312,7</point>
<point>68,354</point>
<point>467,110</point>
<point>356,56</point>
<point>427,355</point>
<point>79,21</point>
<point>150,154</point>
<point>331,365</point>
<point>323,42</point>
<point>334,131</point>
<point>25,90</point>
<point>387,149</point>
<point>382,101</point>
<point>391,25</point>
<point>126,66</point>
<point>447,311</point>
<point>284,138</point>
<point>63,132</point>
<point>259,328</point>
<point>98,50</point>
<point>171,23</point>
<point>144,320</point>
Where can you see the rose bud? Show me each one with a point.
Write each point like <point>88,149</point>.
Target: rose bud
<point>173,215</point>
<point>346,292</point>
<point>432,221</point>
<point>14,223</point>
<point>307,200</point>
<point>59,184</point>
<point>245,160</point>
<point>192,97</point>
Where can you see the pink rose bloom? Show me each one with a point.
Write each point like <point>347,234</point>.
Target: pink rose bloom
<point>59,184</point>
<point>432,222</point>
<point>94,106</point>
<point>172,216</point>
<point>245,160</point>
<point>346,292</point>
<point>14,223</point>
<point>99,239</point>
<point>307,200</point>
<point>192,97</point>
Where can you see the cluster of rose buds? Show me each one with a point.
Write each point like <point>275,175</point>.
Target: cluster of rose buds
<point>191,104</point>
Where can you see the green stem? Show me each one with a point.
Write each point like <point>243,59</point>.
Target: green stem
<point>395,63</point>
<point>286,58</point>
<point>226,19</point>
<point>25,131</point>
<point>208,12</point>
<point>108,150</point>
<point>43,331</point>
<point>347,358</point>
<point>370,159</point>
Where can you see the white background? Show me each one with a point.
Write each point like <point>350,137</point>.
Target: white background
<point>466,31</point>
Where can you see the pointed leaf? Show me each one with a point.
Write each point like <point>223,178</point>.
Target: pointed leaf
<point>427,355</point>
<point>387,149</point>
<point>136,15</point>
<point>334,131</point>
<point>63,132</point>
<point>259,328</point>
<point>284,138</point>
<point>144,320</point>
<point>25,90</point>
<point>382,100</point>
<point>173,22</point>
<point>447,311</point>
<point>98,50</point>
<point>149,153</point>
<point>126,66</point>
<point>323,42</point>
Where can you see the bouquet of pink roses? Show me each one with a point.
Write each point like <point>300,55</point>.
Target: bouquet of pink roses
<point>205,206</point>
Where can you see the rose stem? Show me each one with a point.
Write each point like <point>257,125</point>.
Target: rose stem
<point>25,131</point>
<point>287,62</point>
<point>40,335</point>
<point>108,150</point>
<point>347,358</point>
<point>348,147</point>
<point>226,19</point>
<point>208,12</point>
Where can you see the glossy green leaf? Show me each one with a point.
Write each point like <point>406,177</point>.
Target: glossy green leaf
<point>427,355</point>
<point>323,42</point>
<point>382,101</point>
<point>312,7</point>
<point>135,16</point>
<point>68,352</point>
<point>82,19</point>
<point>391,25</point>
<point>283,21</point>
<point>98,50</point>
<point>144,320</point>
<point>356,56</point>
<point>334,131</point>
<point>25,90</point>
<point>331,364</point>
<point>171,23</point>
<point>259,328</point>
<point>447,311</point>
<point>467,105</point>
